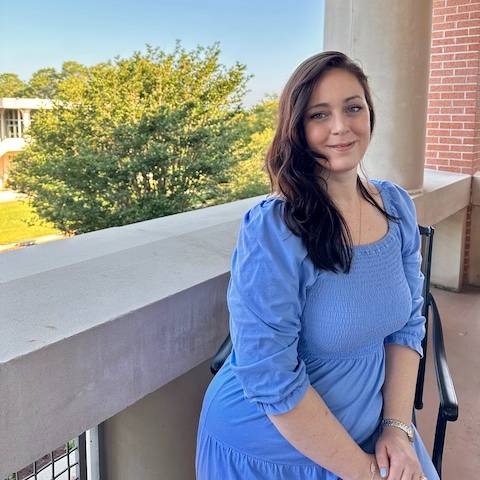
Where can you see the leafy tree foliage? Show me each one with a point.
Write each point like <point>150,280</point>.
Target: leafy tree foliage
<point>11,85</point>
<point>248,175</point>
<point>138,138</point>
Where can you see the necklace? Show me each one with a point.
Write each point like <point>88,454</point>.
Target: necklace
<point>360,224</point>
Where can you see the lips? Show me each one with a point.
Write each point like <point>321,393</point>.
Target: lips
<point>341,147</point>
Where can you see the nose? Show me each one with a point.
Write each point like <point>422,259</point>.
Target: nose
<point>339,124</point>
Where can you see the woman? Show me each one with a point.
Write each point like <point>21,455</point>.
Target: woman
<point>325,305</point>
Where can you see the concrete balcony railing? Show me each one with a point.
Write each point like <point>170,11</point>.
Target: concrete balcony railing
<point>118,325</point>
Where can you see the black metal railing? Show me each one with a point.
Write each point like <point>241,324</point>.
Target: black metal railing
<point>58,464</point>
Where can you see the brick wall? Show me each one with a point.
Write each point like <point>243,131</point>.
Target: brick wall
<point>453,124</point>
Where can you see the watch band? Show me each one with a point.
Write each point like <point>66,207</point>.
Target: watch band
<point>392,422</point>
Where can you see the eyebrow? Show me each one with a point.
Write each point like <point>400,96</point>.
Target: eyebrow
<point>325,104</point>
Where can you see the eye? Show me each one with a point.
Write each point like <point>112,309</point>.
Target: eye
<point>354,108</point>
<point>319,115</point>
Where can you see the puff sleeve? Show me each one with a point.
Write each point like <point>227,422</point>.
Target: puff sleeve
<point>412,333</point>
<point>266,295</point>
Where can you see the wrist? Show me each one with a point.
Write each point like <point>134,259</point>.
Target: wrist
<point>399,426</point>
<point>369,469</point>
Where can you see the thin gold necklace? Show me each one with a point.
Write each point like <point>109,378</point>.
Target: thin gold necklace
<point>360,226</point>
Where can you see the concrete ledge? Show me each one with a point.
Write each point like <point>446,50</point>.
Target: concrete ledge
<point>92,324</point>
<point>443,195</point>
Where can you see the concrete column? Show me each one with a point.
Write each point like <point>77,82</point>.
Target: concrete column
<point>2,125</point>
<point>391,41</point>
<point>25,120</point>
<point>448,251</point>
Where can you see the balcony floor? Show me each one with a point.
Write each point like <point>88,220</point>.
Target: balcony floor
<point>460,314</point>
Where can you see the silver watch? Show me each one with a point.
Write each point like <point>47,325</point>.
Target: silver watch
<point>408,429</point>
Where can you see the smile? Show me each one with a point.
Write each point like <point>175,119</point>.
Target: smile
<point>343,147</point>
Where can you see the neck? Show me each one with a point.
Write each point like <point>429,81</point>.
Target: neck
<point>343,190</point>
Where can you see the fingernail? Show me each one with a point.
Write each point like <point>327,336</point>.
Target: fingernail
<point>383,472</point>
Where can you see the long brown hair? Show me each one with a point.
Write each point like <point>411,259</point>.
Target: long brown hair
<point>294,169</point>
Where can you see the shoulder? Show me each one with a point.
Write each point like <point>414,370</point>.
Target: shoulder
<point>266,217</point>
<point>397,197</point>
<point>264,223</point>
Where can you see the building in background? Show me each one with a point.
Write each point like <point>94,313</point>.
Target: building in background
<point>15,117</point>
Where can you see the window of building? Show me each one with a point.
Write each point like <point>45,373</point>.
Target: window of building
<point>13,123</point>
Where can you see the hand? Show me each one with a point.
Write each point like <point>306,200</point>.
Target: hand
<point>395,454</point>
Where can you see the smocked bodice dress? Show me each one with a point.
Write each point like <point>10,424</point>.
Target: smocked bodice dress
<point>293,326</point>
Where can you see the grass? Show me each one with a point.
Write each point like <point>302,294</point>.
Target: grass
<point>18,222</point>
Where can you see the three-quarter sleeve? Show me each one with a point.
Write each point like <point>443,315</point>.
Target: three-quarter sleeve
<point>266,295</point>
<point>411,335</point>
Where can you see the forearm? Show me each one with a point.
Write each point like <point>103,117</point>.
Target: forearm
<point>313,430</point>
<point>401,368</point>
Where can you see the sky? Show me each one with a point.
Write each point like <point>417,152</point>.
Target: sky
<point>271,37</point>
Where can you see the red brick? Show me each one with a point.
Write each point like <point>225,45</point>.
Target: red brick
<point>472,8</point>
<point>445,11</point>
<point>451,169</point>
<point>441,72</point>
<point>466,56</point>
<point>439,118</point>
<point>455,48</point>
<point>468,156</point>
<point>436,50</point>
<point>458,148</point>
<point>455,64</point>
<point>436,42</point>
<point>456,32</point>
<point>452,96</point>
<point>464,103</point>
<point>450,140</point>
<point>439,34</point>
<point>439,148</point>
<point>473,79</point>
<point>467,88</point>
<point>466,71</point>
<point>471,22</point>
<point>454,17</point>
<point>462,133</point>
<point>440,161</point>
<point>469,125</point>
<point>441,88</point>
<point>434,96</point>
<point>468,171</point>
<point>450,155</point>
<point>451,3</point>
<point>437,131</point>
<point>457,79</point>
<point>474,30</point>
<point>454,110</point>
<point>473,63</point>
<point>460,163</point>
<point>469,39</point>
<point>462,118</point>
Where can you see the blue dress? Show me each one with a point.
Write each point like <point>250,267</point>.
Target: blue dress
<point>292,326</point>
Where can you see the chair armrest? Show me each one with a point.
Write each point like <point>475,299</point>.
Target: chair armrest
<point>219,358</point>
<point>446,389</point>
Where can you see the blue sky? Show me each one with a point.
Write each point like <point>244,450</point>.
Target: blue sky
<point>270,37</point>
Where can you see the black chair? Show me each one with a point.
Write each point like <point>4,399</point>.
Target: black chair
<point>448,406</point>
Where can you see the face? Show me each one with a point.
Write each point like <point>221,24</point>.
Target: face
<point>337,121</point>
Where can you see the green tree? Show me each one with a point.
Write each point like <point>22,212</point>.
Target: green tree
<point>11,85</point>
<point>43,83</point>
<point>248,176</point>
<point>135,139</point>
